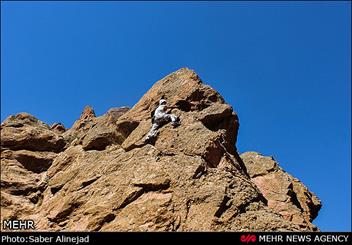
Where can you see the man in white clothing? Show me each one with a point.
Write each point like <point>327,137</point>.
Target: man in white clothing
<point>160,118</point>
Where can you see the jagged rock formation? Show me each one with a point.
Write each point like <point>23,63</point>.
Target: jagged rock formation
<point>100,175</point>
<point>284,193</point>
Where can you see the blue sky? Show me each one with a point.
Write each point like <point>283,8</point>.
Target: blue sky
<point>285,67</point>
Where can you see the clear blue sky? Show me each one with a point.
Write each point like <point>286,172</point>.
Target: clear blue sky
<point>284,66</point>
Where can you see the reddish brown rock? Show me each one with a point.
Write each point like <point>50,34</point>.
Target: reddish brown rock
<point>106,178</point>
<point>96,133</point>
<point>23,131</point>
<point>58,127</point>
<point>285,194</point>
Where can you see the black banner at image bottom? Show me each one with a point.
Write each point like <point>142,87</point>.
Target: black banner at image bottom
<point>170,237</point>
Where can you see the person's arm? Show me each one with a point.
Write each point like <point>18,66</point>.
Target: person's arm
<point>169,108</point>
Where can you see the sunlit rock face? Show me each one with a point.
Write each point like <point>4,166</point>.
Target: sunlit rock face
<point>100,174</point>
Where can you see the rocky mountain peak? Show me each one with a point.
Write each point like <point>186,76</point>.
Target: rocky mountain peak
<point>101,174</point>
<point>87,113</point>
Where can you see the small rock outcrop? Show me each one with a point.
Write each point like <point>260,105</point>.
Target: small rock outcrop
<point>284,193</point>
<point>24,131</point>
<point>100,175</point>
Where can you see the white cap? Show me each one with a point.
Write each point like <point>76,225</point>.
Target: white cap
<point>162,102</point>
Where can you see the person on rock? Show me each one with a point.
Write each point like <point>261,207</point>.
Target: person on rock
<point>160,118</point>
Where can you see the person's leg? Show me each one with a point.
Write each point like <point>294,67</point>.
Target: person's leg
<point>174,119</point>
<point>152,132</point>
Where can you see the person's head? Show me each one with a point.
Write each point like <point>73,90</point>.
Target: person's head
<point>162,102</point>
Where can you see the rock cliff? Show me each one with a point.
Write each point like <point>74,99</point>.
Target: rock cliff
<point>100,175</point>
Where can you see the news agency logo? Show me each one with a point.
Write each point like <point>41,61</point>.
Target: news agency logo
<point>18,224</point>
<point>248,238</point>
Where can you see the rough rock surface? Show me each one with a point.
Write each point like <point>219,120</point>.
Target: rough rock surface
<point>100,175</point>
<point>285,194</point>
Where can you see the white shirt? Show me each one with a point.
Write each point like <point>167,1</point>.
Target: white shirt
<point>160,111</point>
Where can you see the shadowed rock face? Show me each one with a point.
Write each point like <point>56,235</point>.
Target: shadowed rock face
<point>100,175</point>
